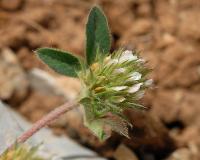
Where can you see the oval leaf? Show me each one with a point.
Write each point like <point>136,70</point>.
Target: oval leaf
<point>97,34</point>
<point>60,61</point>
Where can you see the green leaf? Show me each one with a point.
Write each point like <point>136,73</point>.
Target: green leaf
<point>60,61</point>
<point>97,34</point>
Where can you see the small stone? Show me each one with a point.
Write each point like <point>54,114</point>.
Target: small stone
<point>13,79</point>
<point>144,10</point>
<point>11,4</point>
<point>183,154</point>
<point>142,26</point>
<point>124,153</point>
<point>167,40</point>
<point>189,27</point>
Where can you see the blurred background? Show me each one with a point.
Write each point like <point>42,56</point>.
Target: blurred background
<point>167,34</point>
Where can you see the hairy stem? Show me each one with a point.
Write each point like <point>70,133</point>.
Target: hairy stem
<point>46,120</point>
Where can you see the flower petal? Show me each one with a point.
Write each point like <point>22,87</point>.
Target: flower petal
<point>134,88</point>
<point>127,56</point>
<point>135,76</point>
<point>119,88</point>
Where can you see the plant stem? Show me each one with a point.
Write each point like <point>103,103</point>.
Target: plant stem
<point>46,120</point>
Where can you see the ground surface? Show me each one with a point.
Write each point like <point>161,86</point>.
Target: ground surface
<point>166,32</point>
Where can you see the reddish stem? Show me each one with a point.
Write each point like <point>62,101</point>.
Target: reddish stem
<point>46,120</point>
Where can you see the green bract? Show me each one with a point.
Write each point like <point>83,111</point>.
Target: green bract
<point>110,82</point>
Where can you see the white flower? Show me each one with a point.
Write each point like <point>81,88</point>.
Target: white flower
<point>134,88</point>
<point>148,82</point>
<point>127,56</point>
<point>119,70</point>
<point>119,88</point>
<point>135,76</point>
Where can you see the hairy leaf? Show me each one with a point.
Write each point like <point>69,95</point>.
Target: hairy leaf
<point>60,61</point>
<point>97,34</point>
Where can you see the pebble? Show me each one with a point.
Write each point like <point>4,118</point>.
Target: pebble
<point>13,79</point>
<point>124,153</point>
<point>11,4</point>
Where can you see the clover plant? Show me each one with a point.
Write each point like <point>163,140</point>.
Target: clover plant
<point>111,82</point>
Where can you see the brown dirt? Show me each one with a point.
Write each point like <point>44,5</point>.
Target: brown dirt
<point>166,32</point>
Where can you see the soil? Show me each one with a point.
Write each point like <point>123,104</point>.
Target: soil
<point>166,33</point>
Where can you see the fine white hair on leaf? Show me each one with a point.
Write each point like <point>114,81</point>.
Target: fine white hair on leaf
<point>127,56</point>
<point>134,88</point>
<point>119,88</point>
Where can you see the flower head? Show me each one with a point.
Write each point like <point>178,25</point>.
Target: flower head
<point>112,84</point>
